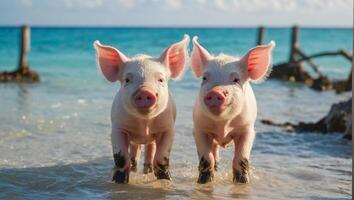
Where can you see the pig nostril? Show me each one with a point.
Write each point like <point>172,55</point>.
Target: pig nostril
<point>139,98</point>
<point>219,98</point>
<point>149,98</point>
<point>209,98</point>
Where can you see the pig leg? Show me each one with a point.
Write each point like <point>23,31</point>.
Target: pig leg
<point>161,160</point>
<point>206,158</point>
<point>134,156</point>
<point>215,150</point>
<point>150,150</point>
<point>120,145</point>
<point>240,164</point>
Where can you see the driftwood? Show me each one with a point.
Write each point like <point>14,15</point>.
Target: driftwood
<point>338,119</point>
<point>295,71</point>
<point>23,73</point>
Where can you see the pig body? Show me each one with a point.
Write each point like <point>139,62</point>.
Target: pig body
<point>225,110</point>
<point>143,111</point>
<point>130,132</point>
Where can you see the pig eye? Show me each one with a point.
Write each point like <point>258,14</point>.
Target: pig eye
<point>160,80</point>
<point>126,80</point>
<point>205,77</point>
<point>236,80</point>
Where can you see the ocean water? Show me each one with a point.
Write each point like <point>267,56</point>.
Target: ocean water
<point>55,135</point>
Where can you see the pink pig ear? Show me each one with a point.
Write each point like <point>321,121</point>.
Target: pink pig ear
<point>200,57</point>
<point>257,60</point>
<point>110,61</point>
<point>175,57</point>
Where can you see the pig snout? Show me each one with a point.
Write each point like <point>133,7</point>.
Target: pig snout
<point>145,98</point>
<point>215,100</point>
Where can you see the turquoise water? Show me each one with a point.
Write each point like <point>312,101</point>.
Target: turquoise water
<point>54,136</point>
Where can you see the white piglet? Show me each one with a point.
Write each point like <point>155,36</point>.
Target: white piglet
<point>143,111</point>
<point>225,110</point>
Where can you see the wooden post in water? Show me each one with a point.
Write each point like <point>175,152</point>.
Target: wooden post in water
<point>24,48</point>
<point>294,43</point>
<point>261,33</point>
<point>23,73</point>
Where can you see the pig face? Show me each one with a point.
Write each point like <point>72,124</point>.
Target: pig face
<point>144,79</point>
<point>225,78</point>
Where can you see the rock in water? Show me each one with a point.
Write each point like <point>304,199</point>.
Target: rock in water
<point>338,119</point>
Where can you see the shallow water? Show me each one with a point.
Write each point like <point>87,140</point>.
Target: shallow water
<point>54,136</point>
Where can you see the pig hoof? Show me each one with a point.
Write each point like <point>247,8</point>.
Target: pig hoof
<point>163,175</point>
<point>205,173</point>
<point>216,166</point>
<point>147,168</point>
<point>242,175</point>
<point>120,177</point>
<point>205,177</point>
<point>240,178</point>
<point>162,170</point>
<point>119,160</point>
<point>133,165</point>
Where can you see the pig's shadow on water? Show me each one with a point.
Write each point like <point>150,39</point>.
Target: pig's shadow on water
<point>82,180</point>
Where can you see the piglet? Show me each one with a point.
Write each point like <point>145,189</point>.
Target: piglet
<point>225,110</point>
<point>143,111</point>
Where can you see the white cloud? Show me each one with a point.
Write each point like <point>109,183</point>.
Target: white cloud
<point>67,3</point>
<point>82,3</point>
<point>275,5</point>
<point>249,4</point>
<point>26,3</point>
<point>232,5</point>
<point>201,1</point>
<point>127,3</point>
<point>174,4</point>
<point>279,5</point>
<point>130,4</point>
<point>221,4</point>
<point>188,12</point>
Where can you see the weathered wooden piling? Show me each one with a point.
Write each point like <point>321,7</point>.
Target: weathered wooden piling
<point>261,34</point>
<point>294,70</point>
<point>23,73</point>
<point>25,46</point>
<point>294,43</point>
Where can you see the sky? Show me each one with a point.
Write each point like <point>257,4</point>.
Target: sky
<point>201,13</point>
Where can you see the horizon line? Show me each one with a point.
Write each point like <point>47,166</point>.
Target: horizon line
<point>173,26</point>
